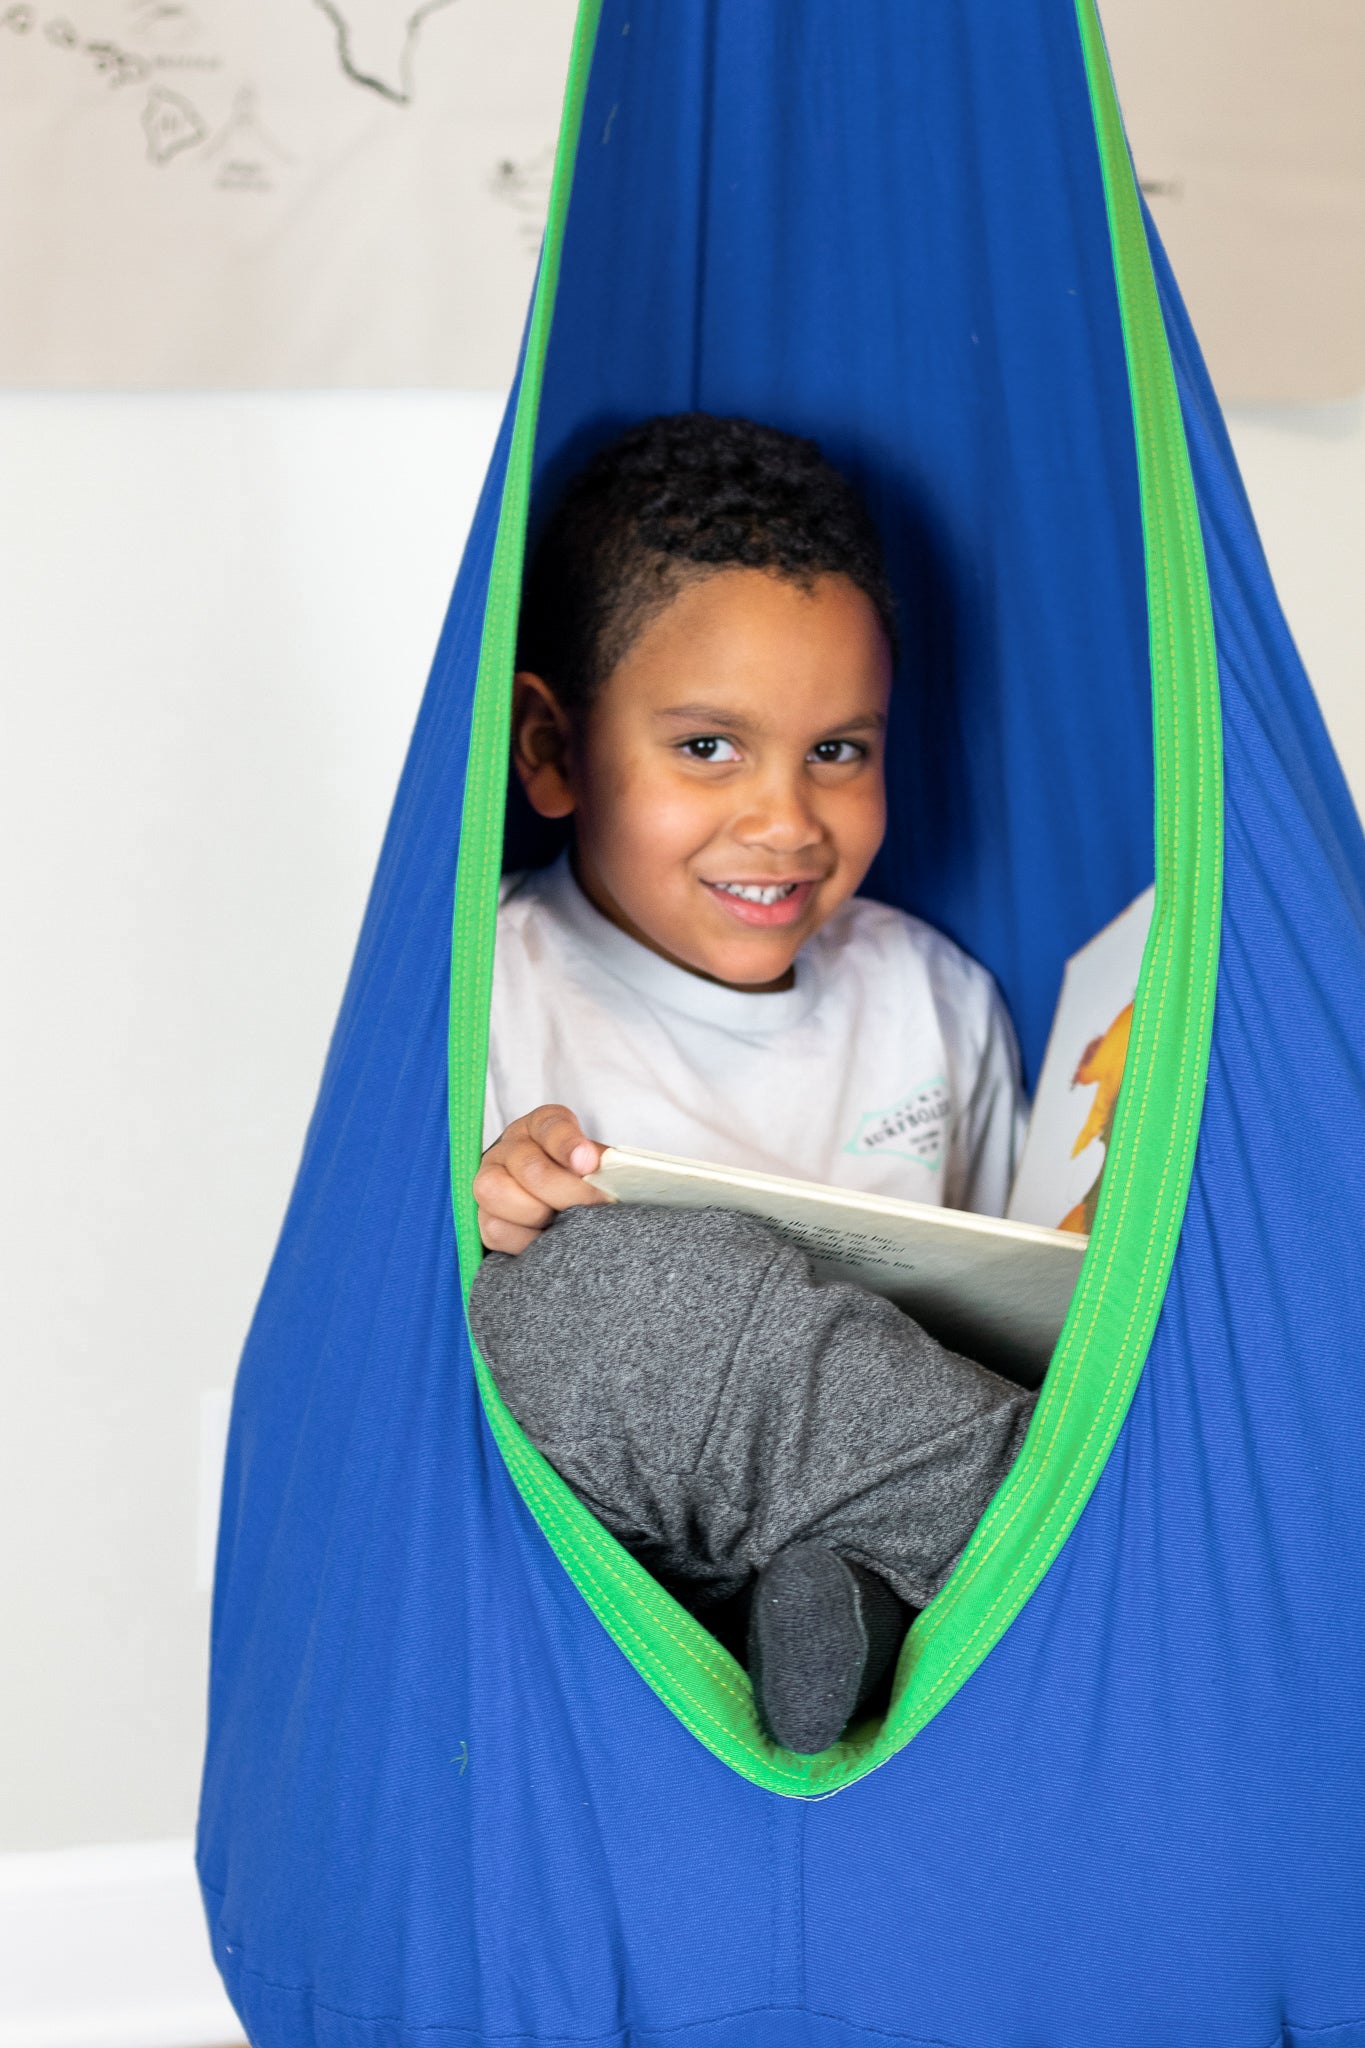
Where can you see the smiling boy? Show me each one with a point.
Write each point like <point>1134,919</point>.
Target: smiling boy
<point>703,688</point>
<point>715,727</point>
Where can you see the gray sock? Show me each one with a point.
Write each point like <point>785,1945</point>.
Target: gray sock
<point>823,1633</point>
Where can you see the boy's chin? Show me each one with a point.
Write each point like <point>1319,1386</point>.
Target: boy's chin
<point>745,966</point>
<point>745,957</point>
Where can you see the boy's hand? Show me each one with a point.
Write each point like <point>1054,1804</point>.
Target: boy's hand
<point>530,1173</point>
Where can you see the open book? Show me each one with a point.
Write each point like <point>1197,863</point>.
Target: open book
<point>995,1289</point>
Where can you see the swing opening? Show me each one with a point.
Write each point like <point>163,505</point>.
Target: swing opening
<point>1118,1297</point>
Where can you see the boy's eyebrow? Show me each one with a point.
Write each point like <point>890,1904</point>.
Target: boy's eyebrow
<point>719,715</point>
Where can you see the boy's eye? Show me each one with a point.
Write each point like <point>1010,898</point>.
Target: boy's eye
<point>710,747</point>
<point>836,753</point>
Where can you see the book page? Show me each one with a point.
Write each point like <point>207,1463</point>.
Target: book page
<point>1059,1175</point>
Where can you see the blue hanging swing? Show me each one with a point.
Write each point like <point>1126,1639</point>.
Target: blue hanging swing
<point>473,1777</point>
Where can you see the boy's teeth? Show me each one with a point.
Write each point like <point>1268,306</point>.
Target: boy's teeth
<point>754,892</point>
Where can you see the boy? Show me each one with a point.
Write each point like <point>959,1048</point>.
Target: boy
<point>704,675</point>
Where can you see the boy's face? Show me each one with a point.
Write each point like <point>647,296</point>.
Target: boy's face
<point>726,784</point>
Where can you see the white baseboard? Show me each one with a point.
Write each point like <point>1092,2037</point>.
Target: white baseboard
<point>107,1948</point>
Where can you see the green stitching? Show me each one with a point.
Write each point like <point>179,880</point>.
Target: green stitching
<point>1091,1383</point>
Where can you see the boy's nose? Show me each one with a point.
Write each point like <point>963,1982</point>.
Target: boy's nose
<point>781,821</point>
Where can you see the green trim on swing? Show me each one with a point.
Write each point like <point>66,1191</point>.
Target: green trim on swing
<point>1102,1349</point>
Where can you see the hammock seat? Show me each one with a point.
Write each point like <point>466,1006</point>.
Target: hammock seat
<point>472,1776</point>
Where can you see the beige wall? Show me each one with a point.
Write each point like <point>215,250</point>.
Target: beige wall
<point>1244,118</point>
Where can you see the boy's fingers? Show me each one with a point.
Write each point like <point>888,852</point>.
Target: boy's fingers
<point>499,1236</point>
<point>500,1192</point>
<point>558,1130</point>
<point>533,1170</point>
<point>532,1167</point>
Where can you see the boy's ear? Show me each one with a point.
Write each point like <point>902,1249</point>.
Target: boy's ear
<point>540,745</point>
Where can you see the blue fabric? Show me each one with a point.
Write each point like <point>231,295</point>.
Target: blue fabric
<point>439,1804</point>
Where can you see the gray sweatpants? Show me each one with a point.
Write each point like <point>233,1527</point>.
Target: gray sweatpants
<point>712,1403</point>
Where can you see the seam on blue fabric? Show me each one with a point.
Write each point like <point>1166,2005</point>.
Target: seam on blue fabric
<point>633,2029</point>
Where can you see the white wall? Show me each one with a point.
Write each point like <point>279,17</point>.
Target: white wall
<point>1305,475</point>
<point>217,620</point>
<point>218,615</point>
<point>106,1948</point>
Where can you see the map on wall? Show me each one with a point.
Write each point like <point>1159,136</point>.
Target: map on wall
<point>229,193</point>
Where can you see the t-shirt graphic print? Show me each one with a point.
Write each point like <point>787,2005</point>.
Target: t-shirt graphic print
<point>915,1128</point>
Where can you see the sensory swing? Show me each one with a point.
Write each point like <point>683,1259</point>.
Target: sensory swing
<point>472,1775</point>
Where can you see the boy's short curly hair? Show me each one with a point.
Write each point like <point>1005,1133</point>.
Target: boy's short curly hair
<point>672,500</point>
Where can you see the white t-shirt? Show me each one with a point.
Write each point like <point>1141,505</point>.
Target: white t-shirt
<point>889,1066</point>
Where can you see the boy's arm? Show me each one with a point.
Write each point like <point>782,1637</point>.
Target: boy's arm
<point>535,1169</point>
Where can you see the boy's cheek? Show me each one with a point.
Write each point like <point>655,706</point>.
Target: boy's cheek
<point>664,826</point>
<point>855,819</point>
<point>865,828</point>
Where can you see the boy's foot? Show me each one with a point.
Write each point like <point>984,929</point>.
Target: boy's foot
<point>822,1633</point>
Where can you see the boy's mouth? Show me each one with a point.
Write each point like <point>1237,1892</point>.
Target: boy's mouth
<point>763,903</point>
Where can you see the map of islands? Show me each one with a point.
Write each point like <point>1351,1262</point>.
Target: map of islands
<point>313,192</point>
